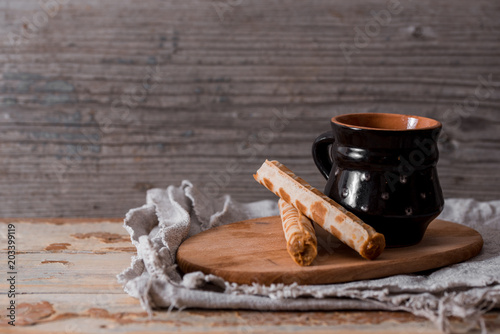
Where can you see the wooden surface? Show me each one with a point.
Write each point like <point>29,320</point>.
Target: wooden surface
<point>67,284</point>
<point>80,136</point>
<point>254,251</point>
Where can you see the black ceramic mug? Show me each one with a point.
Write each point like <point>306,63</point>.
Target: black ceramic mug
<point>382,168</point>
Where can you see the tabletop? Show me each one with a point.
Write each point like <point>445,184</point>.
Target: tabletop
<point>65,282</point>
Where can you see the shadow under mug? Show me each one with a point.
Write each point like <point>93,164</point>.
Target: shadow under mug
<point>382,168</point>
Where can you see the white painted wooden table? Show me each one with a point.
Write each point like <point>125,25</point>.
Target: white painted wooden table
<point>66,283</point>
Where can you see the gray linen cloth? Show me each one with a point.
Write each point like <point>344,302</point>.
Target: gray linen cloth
<point>465,290</point>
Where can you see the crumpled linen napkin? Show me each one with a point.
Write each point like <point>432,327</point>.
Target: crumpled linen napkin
<point>465,290</point>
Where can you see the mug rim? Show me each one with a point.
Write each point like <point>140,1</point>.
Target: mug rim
<point>433,124</point>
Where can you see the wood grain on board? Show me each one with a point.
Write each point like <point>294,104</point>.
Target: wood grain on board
<point>102,100</point>
<point>74,290</point>
<point>254,251</point>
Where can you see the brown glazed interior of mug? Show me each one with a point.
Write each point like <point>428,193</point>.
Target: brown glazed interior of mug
<point>382,121</point>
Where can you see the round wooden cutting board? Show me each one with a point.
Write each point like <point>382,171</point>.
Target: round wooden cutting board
<point>255,251</point>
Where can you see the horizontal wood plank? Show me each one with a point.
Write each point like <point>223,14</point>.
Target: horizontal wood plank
<point>49,313</point>
<point>68,236</point>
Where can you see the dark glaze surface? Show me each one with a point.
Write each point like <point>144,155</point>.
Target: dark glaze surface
<point>384,174</point>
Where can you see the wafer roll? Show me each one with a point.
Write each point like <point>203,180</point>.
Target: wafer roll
<point>321,209</point>
<point>300,236</point>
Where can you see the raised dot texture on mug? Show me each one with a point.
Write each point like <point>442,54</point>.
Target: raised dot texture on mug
<point>423,195</point>
<point>385,196</point>
<point>408,211</point>
<point>364,208</point>
<point>345,192</point>
<point>365,176</point>
<point>403,179</point>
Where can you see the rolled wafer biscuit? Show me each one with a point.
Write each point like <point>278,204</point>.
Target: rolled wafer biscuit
<point>300,236</point>
<point>323,210</point>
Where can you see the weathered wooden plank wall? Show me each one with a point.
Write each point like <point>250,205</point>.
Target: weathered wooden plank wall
<point>101,100</point>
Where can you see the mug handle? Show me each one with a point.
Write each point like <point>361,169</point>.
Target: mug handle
<point>321,154</point>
